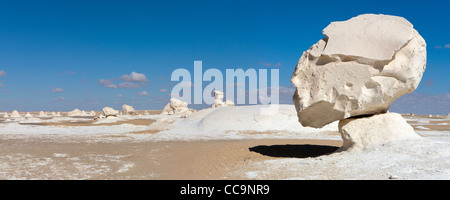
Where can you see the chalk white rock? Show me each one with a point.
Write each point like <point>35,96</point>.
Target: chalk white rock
<point>127,109</point>
<point>6,115</point>
<point>92,113</point>
<point>56,114</point>
<point>42,114</point>
<point>15,114</point>
<point>367,132</point>
<point>84,113</point>
<point>361,67</point>
<point>229,102</point>
<point>176,106</point>
<point>108,111</point>
<point>218,100</point>
<point>28,115</point>
<point>75,112</point>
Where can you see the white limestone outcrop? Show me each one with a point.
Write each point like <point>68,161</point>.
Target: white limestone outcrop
<point>110,112</point>
<point>218,100</point>
<point>127,109</point>
<point>366,132</point>
<point>75,112</point>
<point>15,114</point>
<point>176,106</point>
<point>360,68</point>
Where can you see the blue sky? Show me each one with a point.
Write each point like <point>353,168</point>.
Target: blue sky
<point>54,54</point>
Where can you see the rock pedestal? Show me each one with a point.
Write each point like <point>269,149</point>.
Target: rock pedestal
<point>366,132</point>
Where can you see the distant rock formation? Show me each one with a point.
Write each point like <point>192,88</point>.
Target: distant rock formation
<point>15,114</point>
<point>73,113</point>
<point>176,106</point>
<point>56,114</point>
<point>28,115</point>
<point>218,100</point>
<point>110,112</point>
<point>127,109</point>
<point>92,113</point>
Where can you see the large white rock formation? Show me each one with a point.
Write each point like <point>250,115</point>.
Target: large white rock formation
<point>218,100</point>
<point>366,132</point>
<point>127,109</point>
<point>176,106</point>
<point>360,68</point>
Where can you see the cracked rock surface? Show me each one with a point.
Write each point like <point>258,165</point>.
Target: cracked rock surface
<point>360,68</point>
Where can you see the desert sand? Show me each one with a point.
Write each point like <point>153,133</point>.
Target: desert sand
<point>160,146</point>
<point>44,158</point>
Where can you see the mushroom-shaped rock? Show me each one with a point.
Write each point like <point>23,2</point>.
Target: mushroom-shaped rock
<point>360,68</point>
<point>42,114</point>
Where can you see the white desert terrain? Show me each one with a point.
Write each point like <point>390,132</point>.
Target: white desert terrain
<point>339,127</point>
<point>232,142</point>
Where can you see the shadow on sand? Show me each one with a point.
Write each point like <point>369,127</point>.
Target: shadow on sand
<point>294,151</point>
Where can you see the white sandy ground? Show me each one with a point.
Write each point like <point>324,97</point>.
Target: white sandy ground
<point>424,158</point>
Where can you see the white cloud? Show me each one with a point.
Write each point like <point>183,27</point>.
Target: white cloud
<point>163,90</point>
<point>128,85</point>
<point>107,83</point>
<point>129,81</point>
<point>54,90</point>
<point>143,93</point>
<point>2,85</point>
<point>267,64</point>
<point>2,73</point>
<point>120,95</point>
<point>447,46</point>
<point>59,99</point>
<point>134,77</point>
